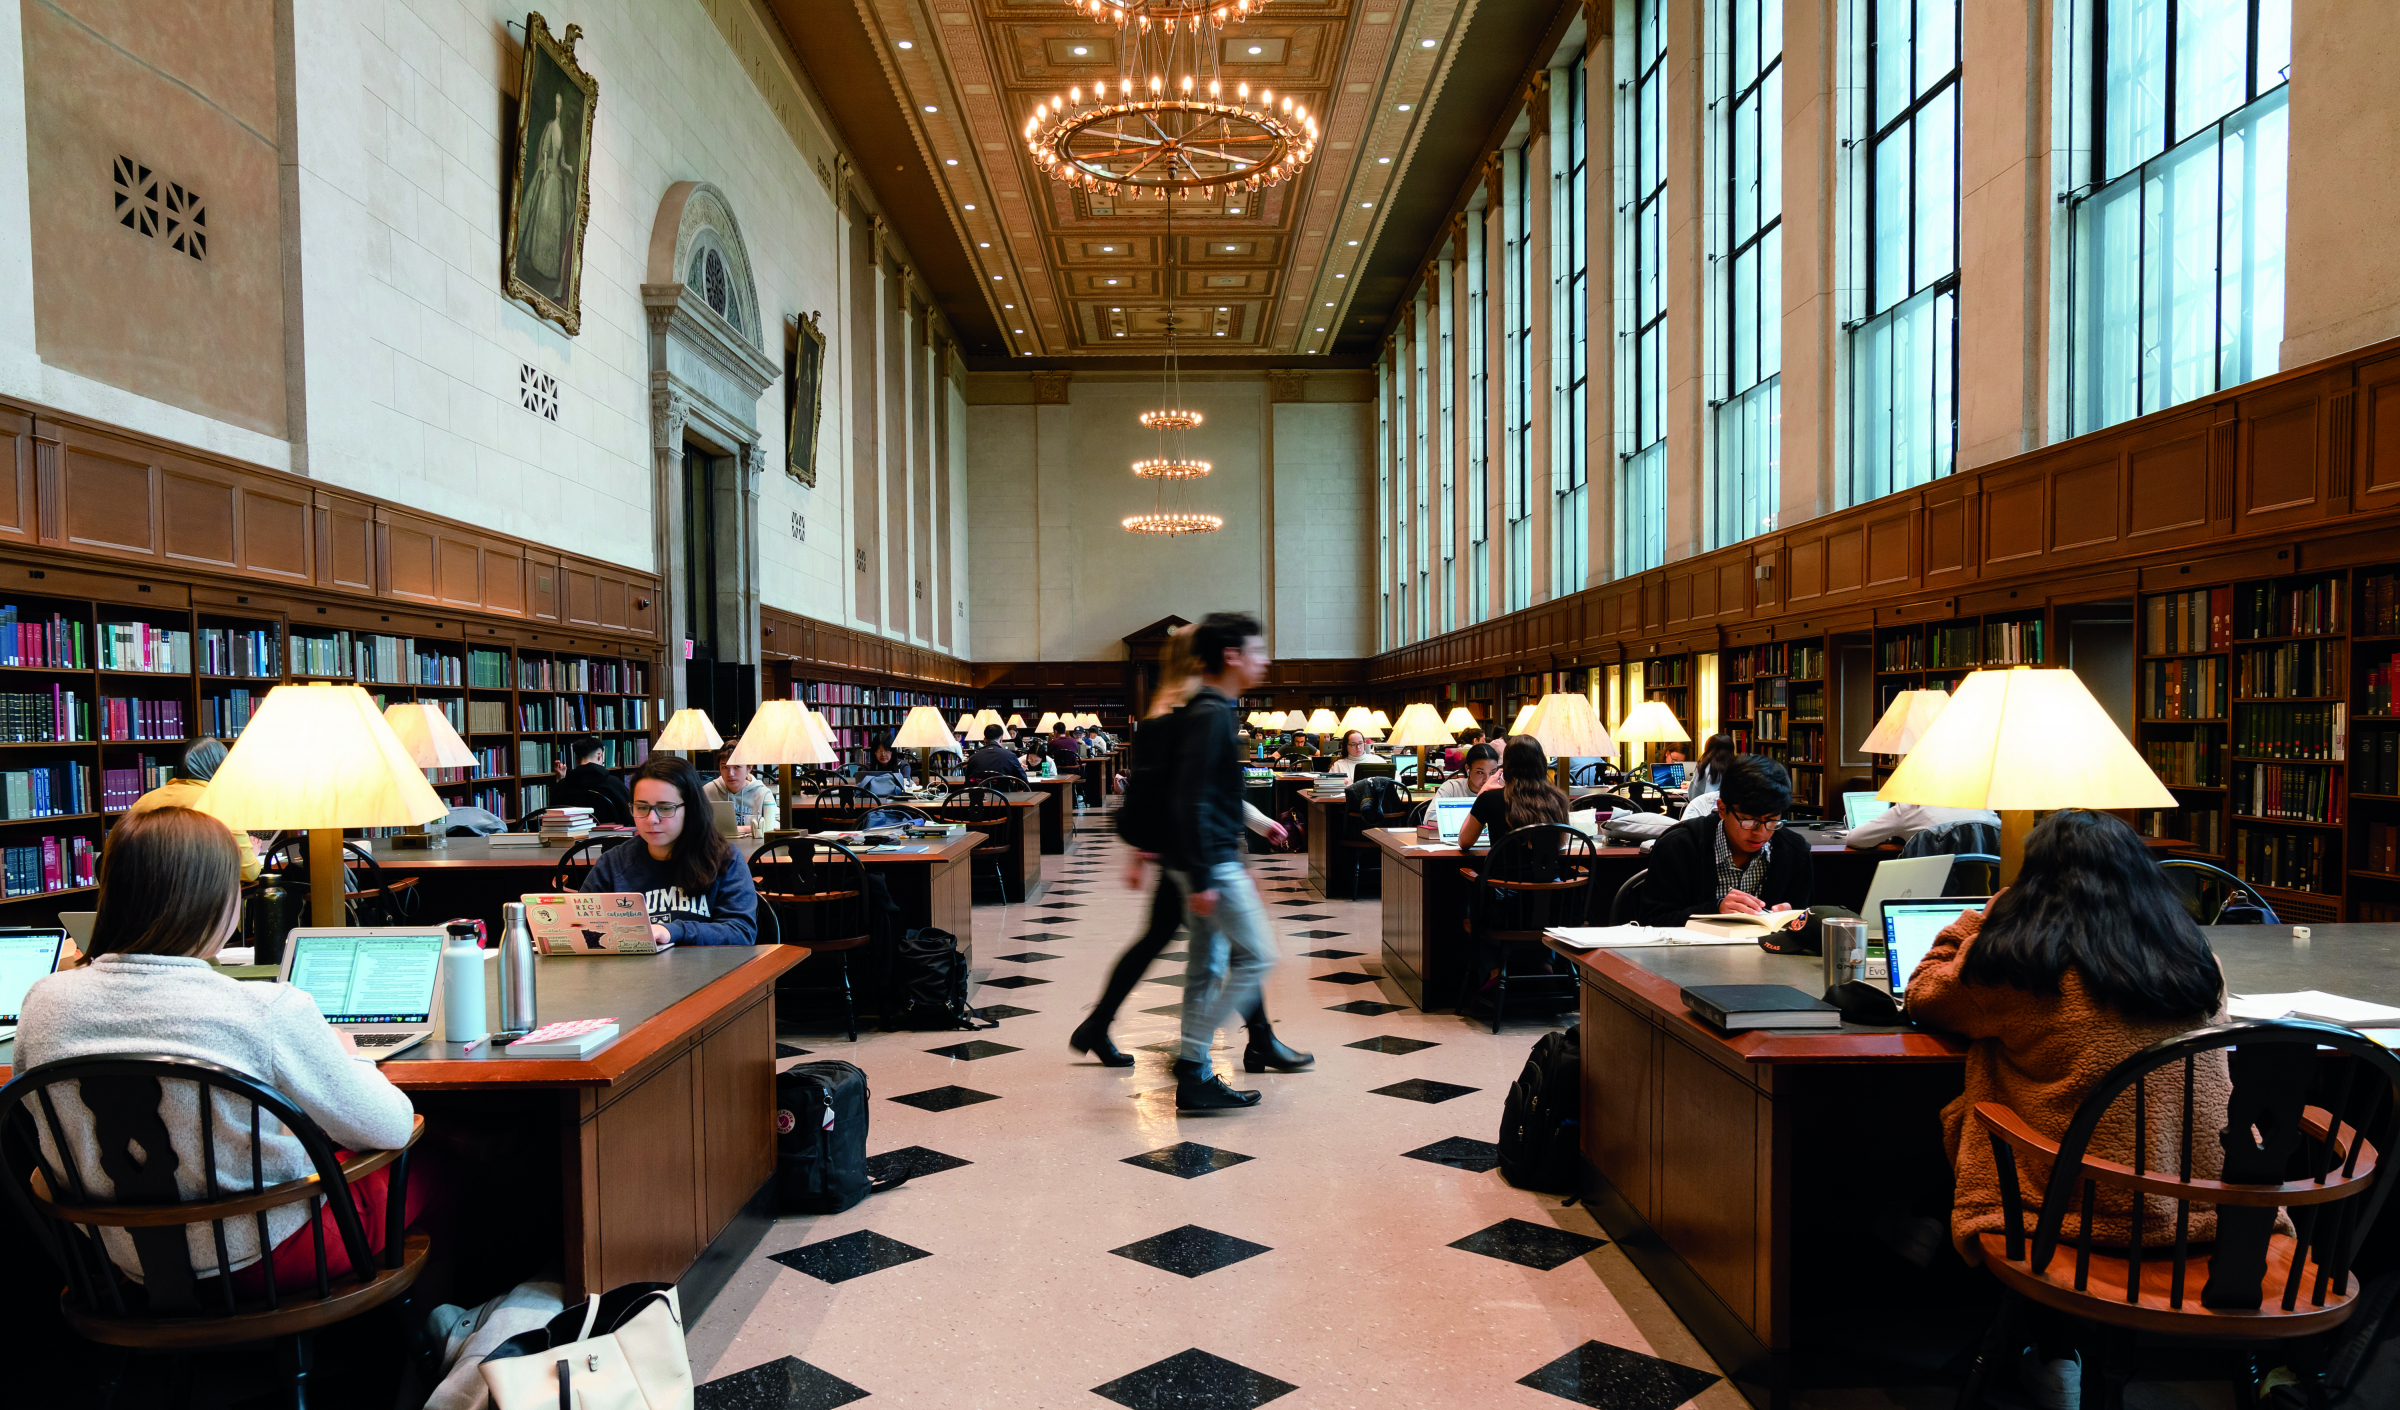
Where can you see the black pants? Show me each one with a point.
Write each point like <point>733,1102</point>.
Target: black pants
<point>1166,919</point>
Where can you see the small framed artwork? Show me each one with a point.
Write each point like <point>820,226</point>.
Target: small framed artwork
<point>550,188</point>
<point>806,392</point>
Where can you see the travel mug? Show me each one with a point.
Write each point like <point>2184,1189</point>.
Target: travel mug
<point>1845,943</point>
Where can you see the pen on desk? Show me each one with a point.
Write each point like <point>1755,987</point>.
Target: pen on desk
<point>473,1045</point>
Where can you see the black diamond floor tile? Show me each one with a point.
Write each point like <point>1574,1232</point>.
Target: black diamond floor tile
<point>1063,906</point>
<point>850,1256</point>
<point>1165,1009</point>
<point>945,1098</point>
<point>1331,954</point>
<point>786,1384</point>
<point>1319,934</point>
<point>1061,891</point>
<point>1420,1089</point>
<point>911,1161</point>
<point>1004,1011</point>
<point>975,1048</point>
<point>1397,1047</point>
<point>784,1050</point>
<point>1598,1374</point>
<point>1178,980</point>
<point>1190,1251</point>
<point>1459,1153</point>
<point>1013,981</point>
<point>1541,1246</point>
<point>1028,957</point>
<point>1040,935</point>
<point>1297,916</point>
<point>1343,978</point>
<point>1367,1007</point>
<point>1187,1159</point>
<point>1194,1380</point>
<point>1288,903</point>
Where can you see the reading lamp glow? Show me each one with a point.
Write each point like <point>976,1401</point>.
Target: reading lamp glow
<point>1016,722</point>
<point>2021,740</point>
<point>1566,726</point>
<point>1295,720</point>
<point>1912,712</point>
<point>320,757</point>
<point>783,733</point>
<point>425,732</point>
<point>1524,718</point>
<point>690,730</point>
<point>1460,721</point>
<point>1323,723</point>
<point>1420,728</point>
<point>925,731</point>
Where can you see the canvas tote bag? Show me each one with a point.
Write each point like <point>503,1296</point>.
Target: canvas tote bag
<point>622,1350</point>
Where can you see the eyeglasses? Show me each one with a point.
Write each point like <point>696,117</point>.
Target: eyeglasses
<point>662,810</point>
<point>1745,820</point>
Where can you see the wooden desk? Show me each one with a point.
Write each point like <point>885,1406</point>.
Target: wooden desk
<point>1058,807</point>
<point>471,877</point>
<point>1425,905</point>
<point>1741,1172</point>
<point>651,1160</point>
<point>1021,865</point>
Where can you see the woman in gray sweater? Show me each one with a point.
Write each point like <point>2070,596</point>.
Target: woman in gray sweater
<point>170,896</point>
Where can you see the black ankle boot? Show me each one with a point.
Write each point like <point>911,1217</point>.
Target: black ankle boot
<point>1193,1094</point>
<point>1268,1053</point>
<point>1092,1040</point>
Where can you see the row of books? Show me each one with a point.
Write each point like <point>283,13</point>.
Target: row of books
<point>2294,861</point>
<point>2013,643</point>
<point>2375,762</point>
<point>396,660</point>
<point>487,717</point>
<point>43,641</point>
<point>322,655</point>
<point>487,670</point>
<point>130,717</point>
<point>574,712</point>
<point>1949,647</point>
<point>1667,670</point>
<point>2379,605</point>
<point>491,800</point>
<point>1904,651</point>
<point>51,864</point>
<point>2189,689</point>
<point>2189,763</point>
<point>2296,668</point>
<point>581,673</point>
<point>837,693</point>
<point>139,646</point>
<point>2204,828</point>
<point>36,716</point>
<point>2187,621</point>
<point>2292,731</point>
<point>122,788</point>
<point>534,756</point>
<point>228,651</point>
<point>2289,792</point>
<point>1808,703</point>
<point>2382,849</point>
<point>224,716</point>
<point>59,790</point>
<point>491,761</point>
<point>1807,747</point>
<point>2312,608</point>
<point>2382,688</point>
<point>1750,662</point>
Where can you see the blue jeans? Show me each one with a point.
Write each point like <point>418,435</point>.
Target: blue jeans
<point>1231,951</point>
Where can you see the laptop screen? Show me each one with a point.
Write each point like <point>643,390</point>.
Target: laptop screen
<point>1666,775</point>
<point>25,956</point>
<point>1910,928</point>
<point>368,978</point>
<point>1448,815</point>
<point>1858,808</point>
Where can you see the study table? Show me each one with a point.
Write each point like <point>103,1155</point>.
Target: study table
<point>1059,805</point>
<point>650,1160</point>
<point>1744,1173</point>
<point>1021,835</point>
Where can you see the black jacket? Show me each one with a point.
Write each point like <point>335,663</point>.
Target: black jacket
<point>1208,785</point>
<point>994,759</point>
<point>1683,873</point>
<point>591,786</point>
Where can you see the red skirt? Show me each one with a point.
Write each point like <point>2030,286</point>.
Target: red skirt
<point>295,1258</point>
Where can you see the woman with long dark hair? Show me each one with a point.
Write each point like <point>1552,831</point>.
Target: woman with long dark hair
<point>697,886</point>
<point>1526,796</point>
<point>1716,757</point>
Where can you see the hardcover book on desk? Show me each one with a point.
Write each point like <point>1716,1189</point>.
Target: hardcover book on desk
<point>1737,1008</point>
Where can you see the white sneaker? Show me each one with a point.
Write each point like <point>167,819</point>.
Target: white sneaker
<point>2051,1385</point>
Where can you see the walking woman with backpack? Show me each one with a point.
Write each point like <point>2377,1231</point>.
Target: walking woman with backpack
<point>1143,814</point>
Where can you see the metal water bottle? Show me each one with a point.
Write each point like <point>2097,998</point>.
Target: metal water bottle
<point>462,985</point>
<point>516,970</point>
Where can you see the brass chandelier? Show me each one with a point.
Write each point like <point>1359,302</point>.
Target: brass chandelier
<point>1171,465</point>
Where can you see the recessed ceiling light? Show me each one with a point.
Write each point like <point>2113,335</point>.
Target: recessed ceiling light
<point>1116,310</point>
<point>1366,205</point>
<point>1230,249</point>
<point>1404,107</point>
<point>1329,305</point>
<point>1081,50</point>
<point>986,244</point>
<point>1426,43</point>
<point>931,108</point>
<point>995,278</point>
<point>949,161</point>
<point>1008,305</point>
<point>1350,242</point>
<point>1220,333</point>
<point>1341,276</point>
<point>1320,330</point>
<point>1383,161</point>
<point>1221,308</point>
<point>1108,249</point>
<point>970,208</point>
<point>1255,49</point>
<point>1112,281</point>
<point>906,44</point>
<point>1016,330</point>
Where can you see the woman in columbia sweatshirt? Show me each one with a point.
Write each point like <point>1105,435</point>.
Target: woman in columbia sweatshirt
<point>697,886</point>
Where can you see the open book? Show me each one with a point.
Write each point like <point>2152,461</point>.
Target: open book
<point>1748,927</point>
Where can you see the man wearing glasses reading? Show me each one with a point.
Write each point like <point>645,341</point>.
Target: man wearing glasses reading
<point>1737,859</point>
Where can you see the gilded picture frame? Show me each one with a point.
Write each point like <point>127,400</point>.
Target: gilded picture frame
<point>805,396</point>
<point>550,185</point>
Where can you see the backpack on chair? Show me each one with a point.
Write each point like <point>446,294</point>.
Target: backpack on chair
<point>1541,1123</point>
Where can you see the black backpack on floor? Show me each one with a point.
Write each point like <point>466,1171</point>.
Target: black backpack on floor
<point>820,1137</point>
<point>930,974</point>
<point>1541,1123</point>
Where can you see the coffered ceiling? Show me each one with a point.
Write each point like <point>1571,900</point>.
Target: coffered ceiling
<point>933,95</point>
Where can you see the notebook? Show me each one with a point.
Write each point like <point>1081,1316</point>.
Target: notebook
<point>1910,928</point>
<point>379,984</point>
<point>590,923</point>
<point>1857,808</point>
<point>26,954</point>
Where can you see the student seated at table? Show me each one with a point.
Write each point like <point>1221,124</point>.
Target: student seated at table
<point>1454,756</point>
<point>170,897</point>
<point>754,808</point>
<point>1299,748</point>
<point>1902,821</point>
<point>1065,749</point>
<point>1483,761</point>
<point>192,773</point>
<point>1035,756</point>
<point>994,760</point>
<point>587,785</point>
<point>887,773</point>
<point>1716,756</point>
<point>697,886</point>
<point>1737,858</point>
<point>1524,797</point>
<point>1357,749</point>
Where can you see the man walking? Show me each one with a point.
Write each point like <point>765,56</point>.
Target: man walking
<point>1231,946</point>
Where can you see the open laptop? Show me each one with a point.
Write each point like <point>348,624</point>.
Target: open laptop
<point>379,984</point>
<point>590,923</point>
<point>1373,768</point>
<point>1857,808</point>
<point>27,952</point>
<point>1902,879</point>
<point>1910,928</point>
<point>1666,775</point>
<point>1448,815</point>
<point>721,813</point>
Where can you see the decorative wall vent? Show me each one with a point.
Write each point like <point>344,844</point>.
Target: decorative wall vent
<point>800,527</point>
<point>136,197</point>
<point>862,559</point>
<point>187,222</point>
<point>146,204</point>
<point>537,391</point>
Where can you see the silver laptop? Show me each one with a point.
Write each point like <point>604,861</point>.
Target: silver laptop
<point>1900,879</point>
<point>1911,927</point>
<point>1858,808</point>
<point>722,814</point>
<point>380,984</point>
<point>27,952</point>
<point>1448,815</point>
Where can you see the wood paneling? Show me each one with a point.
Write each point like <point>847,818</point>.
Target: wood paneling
<point>736,1071</point>
<point>641,1150</point>
<point>200,518</point>
<point>278,542</point>
<point>108,496</point>
<point>16,476</point>
<point>345,543</point>
<point>2164,474</point>
<point>1708,1173</point>
<point>405,548</point>
<point>2283,455</point>
<point>2377,479</point>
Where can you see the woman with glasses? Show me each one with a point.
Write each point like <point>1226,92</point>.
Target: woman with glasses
<point>697,886</point>
<point>1736,859</point>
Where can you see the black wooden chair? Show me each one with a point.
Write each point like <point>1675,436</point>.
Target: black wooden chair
<point>1614,802</point>
<point>1585,775</point>
<point>816,895</point>
<point>576,863</point>
<point>1626,906</point>
<point>176,1307</point>
<point>2252,1285</point>
<point>2216,896</point>
<point>1368,804</point>
<point>1972,874</point>
<point>368,896</point>
<point>985,810</point>
<point>1536,877</point>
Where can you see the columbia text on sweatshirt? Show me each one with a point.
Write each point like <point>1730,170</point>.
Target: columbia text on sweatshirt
<point>727,915</point>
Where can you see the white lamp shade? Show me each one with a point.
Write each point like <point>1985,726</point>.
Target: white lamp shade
<point>689,728</point>
<point>1383,722</point>
<point>1910,714</point>
<point>1294,719</point>
<point>1459,721</point>
<point>1420,726</point>
<point>319,756</point>
<point>2020,740</point>
<point>1359,718</point>
<point>1323,721</point>
<point>926,729</point>
<point>1568,727</point>
<point>966,722</point>
<point>781,733</point>
<point>817,726</point>
<point>1651,722</point>
<point>983,717</point>
<point>1524,718</point>
<point>1016,722</point>
<point>424,731</point>
<point>1089,720</point>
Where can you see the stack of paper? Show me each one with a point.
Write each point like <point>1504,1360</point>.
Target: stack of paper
<point>2314,1004</point>
<point>565,824</point>
<point>1626,937</point>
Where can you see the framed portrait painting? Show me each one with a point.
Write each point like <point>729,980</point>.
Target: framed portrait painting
<point>550,188</point>
<point>806,391</point>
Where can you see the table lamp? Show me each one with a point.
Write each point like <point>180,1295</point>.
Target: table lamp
<point>1295,719</point>
<point>1567,727</point>
<point>2019,741</point>
<point>1651,722</point>
<point>320,758</point>
<point>424,731</point>
<point>966,723</point>
<point>1090,720</point>
<point>983,717</point>
<point>1460,721</point>
<point>925,732</point>
<point>1383,722</point>
<point>1524,718</point>
<point>1420,728</point>
<point>784,733</point>
<point>1324,724</point>
<point>689,730</point>
<point>1904,722</point>
<point>1016,722</point>
<point>1359,718</point>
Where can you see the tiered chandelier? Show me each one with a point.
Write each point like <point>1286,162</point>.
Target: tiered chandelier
<point>1169,122</point>
<point>1171,465</point>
